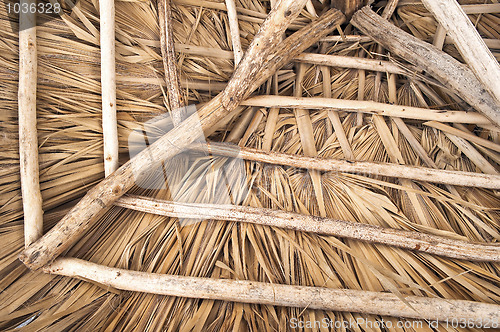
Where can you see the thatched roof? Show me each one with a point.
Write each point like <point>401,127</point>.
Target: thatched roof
<point>71,162</point>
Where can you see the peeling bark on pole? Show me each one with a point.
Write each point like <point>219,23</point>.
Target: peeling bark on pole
<point>347,300</point>
<point>28,140</point>
<point>458,77</point>
<point>427,243</point>
<point>108,85</point>
<point>172,81</point>
<point>265,55</point>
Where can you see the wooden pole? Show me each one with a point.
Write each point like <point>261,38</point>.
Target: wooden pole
<point>175,99</point>
<point>458,77</point>
<point>262,59</point>
<point>369,107</point>
<point>234,31</point>
<point>28,140</point>
<point>427,243</point>
<point>417,173</point>
<point>366,302</point>
<point>108,85</point>
<point>471,45</point>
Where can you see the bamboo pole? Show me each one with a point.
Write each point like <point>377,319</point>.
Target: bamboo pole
<point>175,99</point>
<point>427,243</point>
<point>261,60</point>
<point>234,31</point>
<point>442,66</point>
<point>417,173</point>
<point>28,140</point>
<point>471,45</point>
<point>369,107</point>
<point>108,85</point>
<point>366,302</point>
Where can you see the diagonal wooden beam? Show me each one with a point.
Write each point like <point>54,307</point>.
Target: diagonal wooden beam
<point>265,55</point>
<point>453,74</point>
<point>471,45</point>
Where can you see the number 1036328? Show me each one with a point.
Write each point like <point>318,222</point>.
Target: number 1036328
<point>33,7</point>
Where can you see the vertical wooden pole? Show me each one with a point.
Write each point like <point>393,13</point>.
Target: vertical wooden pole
<point>108,85</point>
<point>28,140</point>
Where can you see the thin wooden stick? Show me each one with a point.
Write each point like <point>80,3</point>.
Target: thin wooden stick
<point>468,136</point>
<point>234,30</point>
<point>28,139</point>
<point>261,60</point>
<point>175,99</point>
<point>369,107</point>
<point>478,56</point>
<point>351,62</point>
<point>428,243</point>
<point>367,302</point>
<point>108,85</point>
<point>417,173</point>
<point>442,66</point>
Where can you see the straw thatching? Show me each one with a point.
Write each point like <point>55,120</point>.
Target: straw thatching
<point>70,146</point>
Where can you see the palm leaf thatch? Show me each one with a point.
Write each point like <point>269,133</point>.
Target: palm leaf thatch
<point>71,162</point>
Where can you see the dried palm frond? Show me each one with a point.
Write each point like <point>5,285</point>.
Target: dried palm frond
<point>71,162</point>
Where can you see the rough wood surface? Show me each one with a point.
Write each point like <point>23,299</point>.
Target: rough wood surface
<point>458,77</point>
<point>367,302</point>
<point>369,107</point>
<point>264,56</point>
<point>427,243</point>
<point>467,179</point>
<point>28,140</point>
<point>473,49</point>
<point>175,99</point>
<point>108,85</point>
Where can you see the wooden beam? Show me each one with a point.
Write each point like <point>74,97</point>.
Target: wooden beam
<point>458,77</point>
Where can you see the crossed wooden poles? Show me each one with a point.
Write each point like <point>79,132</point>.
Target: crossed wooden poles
<point>265,55</point>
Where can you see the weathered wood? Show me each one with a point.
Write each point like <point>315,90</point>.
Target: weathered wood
<point>417,173</point>
<point>367,302</point>
<point>351,62</point>
<point>427,243</point>
<point>471,45</point>
<point>234,31</point>
<point>369,107</point>
<point>108,85</point>
<point>28,140</point>
<point>442,66</point>
<point>264,56</point>
<point>175,99</point>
